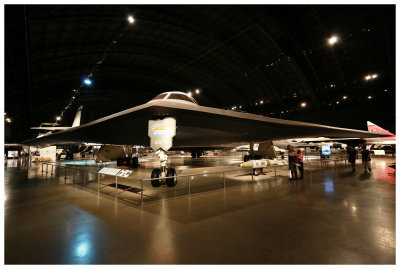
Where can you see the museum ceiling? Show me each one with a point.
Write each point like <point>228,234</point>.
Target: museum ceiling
<point>275,61</point>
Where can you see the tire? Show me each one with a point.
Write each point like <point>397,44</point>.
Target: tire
<point>135,162</point>
<point>126,161</point>
<point>155,174</point>
<point>171,178</point>
<point>246,158</point>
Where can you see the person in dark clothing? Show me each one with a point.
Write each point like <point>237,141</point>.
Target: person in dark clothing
<point>352,155</point>
<point>366,159</point>
<point>300,163</point>
<point>292,162</point>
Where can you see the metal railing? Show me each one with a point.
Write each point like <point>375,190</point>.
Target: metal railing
<point>137,186</point>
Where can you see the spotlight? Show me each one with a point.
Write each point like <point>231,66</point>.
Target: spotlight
<point>344,97</point>
<point>58,118</point>
<point>197,91</point>
<point>367,77</point>
<point>332,40</point>
<point>374,76</point>
<point>87,81</point>
<point>304,104</point>
<point>369,97</point>
<point>190,94</point>
<point>8,119</point>
<point>261,102</point>
<point>131,19</point>
<point>337,102</point>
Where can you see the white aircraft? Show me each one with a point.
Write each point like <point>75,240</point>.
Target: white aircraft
<point>50,129</point>
<point>175,120</point>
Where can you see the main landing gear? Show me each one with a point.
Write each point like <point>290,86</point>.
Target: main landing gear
<point>251,157</point>
<point>163,175</point>
<point>128,161</point>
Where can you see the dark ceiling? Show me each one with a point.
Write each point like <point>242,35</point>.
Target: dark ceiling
<point>237,55</point>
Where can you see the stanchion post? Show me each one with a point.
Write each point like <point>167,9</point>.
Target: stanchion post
<point>42,168</point>
<point>141,191</point>
<point>223,176</point>
<point>65,174</point>
<point>189,184</point>
<point>47,166</point>
<point>116,185</point>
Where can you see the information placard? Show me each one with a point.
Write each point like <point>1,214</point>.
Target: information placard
<point>124,173</point>
<point>109,171</point>
<point>379,152</point>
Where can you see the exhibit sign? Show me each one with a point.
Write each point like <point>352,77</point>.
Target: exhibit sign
<point>12,154</point>
<point>161,133</point>
<point>109,171</point>
<point>124,173</point>
<point>326,150</point>
<point>48,153</point>
<point>379,152</point>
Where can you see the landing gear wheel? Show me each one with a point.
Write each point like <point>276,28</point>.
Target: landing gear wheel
<point>171,178</point>
<point>156,174</point>
<point>135,161</point>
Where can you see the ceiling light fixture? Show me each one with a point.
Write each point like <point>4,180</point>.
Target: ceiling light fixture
<point>87,81</point>
<point>332,40</point>
<point>131,19</point>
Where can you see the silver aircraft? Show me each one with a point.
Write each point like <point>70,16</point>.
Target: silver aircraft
<point>175,120</point>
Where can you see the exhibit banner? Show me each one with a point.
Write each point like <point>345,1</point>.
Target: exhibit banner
<point>326,150</point>
<point>161,133</point>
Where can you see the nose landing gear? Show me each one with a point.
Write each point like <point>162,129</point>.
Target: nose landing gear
<point>164,175</point>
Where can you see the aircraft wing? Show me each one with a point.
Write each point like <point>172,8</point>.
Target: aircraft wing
<point>196,126</point>
<point>49,128</point>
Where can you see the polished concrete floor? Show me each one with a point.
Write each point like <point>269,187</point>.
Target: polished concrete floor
<point>333,216</point>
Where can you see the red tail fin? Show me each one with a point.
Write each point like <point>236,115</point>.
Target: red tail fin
<point>372,127</point>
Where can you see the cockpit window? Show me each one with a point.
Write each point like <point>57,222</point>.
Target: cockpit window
<point>181,97</point>
<point>160,96</point>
